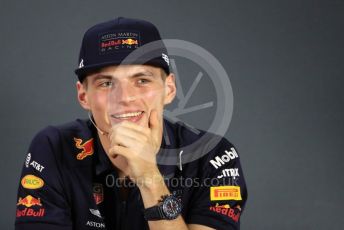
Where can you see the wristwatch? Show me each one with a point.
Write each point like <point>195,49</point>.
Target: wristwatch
<point>169,208</point>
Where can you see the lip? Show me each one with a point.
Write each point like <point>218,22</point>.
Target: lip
<point>126,111</point>
<point>132,119</point>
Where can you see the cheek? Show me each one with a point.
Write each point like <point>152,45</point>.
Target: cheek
<point>151,94</point>
<point>154,97</point>
<point>99,107</point>
<point>99,104</point>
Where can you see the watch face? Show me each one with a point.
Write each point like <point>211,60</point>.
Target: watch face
<point>171,207</point>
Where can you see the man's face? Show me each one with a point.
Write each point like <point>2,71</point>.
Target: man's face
<point>125,92</point>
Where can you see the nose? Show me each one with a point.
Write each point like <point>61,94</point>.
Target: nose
<point>123,93</point>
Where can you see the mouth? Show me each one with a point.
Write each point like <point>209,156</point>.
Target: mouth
<point>132,116</point>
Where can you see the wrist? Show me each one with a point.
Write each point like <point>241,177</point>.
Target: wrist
<point>169,208</point>
<point>152,190</point>
<point>150,181</point>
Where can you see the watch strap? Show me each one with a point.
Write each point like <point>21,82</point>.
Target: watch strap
<point>154,213</point>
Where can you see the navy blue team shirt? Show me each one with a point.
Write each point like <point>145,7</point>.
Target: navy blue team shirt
<point>68,182</point>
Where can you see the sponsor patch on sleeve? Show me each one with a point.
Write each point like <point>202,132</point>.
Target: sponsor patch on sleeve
<point>86,147</point>
<point>29,201</point>
<point>225,193</point>
<point>226,210</point>
<point>32,207</point>
<point>32,182</point>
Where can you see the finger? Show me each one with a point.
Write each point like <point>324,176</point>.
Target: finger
<point>117,139</point>
<point>124,140</point>
<point>135,127</point>
<point>134,134</point>
<point>121,151</point>
<point>128,135</point>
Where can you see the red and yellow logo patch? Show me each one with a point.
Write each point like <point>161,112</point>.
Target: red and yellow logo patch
<point>225,193</point>
<point>29,201</point>
<point>32,182</point>
<point>86,147</point>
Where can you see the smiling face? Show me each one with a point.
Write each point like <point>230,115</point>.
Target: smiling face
<point>126,92</point>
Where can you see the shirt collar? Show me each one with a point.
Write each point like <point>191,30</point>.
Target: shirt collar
<point>102,161</point>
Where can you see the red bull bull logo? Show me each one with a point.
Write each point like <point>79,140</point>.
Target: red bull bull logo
<point>129,41</point>
<point>87,148</point>
<point>29,201</point>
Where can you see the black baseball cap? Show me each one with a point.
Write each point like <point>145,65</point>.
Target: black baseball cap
<point>111,42</point>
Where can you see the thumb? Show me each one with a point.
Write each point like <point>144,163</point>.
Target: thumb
<point>154,123</point>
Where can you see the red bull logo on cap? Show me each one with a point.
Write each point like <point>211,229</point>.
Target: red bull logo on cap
<point>86,147</point>
<point>130,41</point>
<point>112,43</point>
<point>29,201</point>
<point>118,41</point>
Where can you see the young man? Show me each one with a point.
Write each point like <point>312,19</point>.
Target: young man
<point>113,170</point>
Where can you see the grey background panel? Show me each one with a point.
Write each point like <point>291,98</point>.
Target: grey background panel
<point>285,63</point>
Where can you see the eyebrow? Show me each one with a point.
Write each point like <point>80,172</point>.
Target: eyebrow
<point>135,75</point>
<point>142,73</point>
<point>100,76</point>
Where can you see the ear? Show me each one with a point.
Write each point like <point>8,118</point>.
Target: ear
<point>170,88</point>
<point>82,96</point>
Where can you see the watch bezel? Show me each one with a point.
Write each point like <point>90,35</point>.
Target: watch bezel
<point>167,210</point>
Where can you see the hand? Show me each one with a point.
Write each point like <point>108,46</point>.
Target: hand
<point>139,146</point>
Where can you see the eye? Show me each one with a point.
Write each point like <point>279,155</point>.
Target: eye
<point>143,81</point>
<point>106,84</point>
